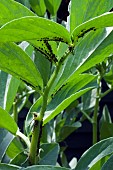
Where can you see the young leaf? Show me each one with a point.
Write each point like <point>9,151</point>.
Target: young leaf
<point>94,24</point>
<point>10,10</point>
<point>49,154</point>
<point>52,6</point>
<point>82,11</point>
<point>33,28</point>
<point>15,61</point>
<point>95,153</point>
<point>38,7</point>
<point>5,140</point>
<point>7,122</point>
<point>11,90</point>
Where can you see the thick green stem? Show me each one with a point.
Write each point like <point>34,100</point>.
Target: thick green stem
<point>37,129</point>
<point>96,111</point>
<point>34,142</point>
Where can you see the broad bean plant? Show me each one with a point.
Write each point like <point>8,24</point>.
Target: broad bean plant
<point>55,70</point>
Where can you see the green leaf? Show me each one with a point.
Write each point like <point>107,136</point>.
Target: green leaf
<point>99,164</point>
<point>14,148</point>
<point>15,61</point>
<point>61,101</point>
<point>82,11</point>
<point>38,7</point>
<point>94,24</point>
<point>49,154</point>
<point>109,164</point>
<point>48,49</point>
<point>73,64</point>
<point>7,122</point>
<point>106,130</point>
<point>20,159</point>
<point>42,29</point>
<point>66,130</point>
<point>88,99</point>
<point>44,167</point>
<point>95,153</point>
<point>11,90</point>
<point>109,76</point>
<point>8,167</point>
<point>10,10</point>
<point>70,91</point>
<point>52,6</point>
<point>106,115</point>
<point>3,85</point>
<point>43,66</point>
<point>103,51</point>
<point>5,140</point>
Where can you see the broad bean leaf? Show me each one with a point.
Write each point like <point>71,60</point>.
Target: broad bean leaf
<point>106,130</point>
<point>33,28</point>
<point>11,90</point>
<point>45,167</point>
<point>15,61</point>
<point>8,167</point>
<point>95,153</point>
<point>49,154</point>
<point>14,148</point>
<point>10,10</point>
<point>69,92</point>
<point>21,159</point>
<point>7,122</point>
<point>102,21</point>
<point>100,163</point>
<point>3,85</point>
<point>80,55</point>
<point>52,6</point>
<point>82,11</point>
<point>38,7</point>
<point>5,140</point>
<point>109,164</point>
<point>43,66</point>
<point>66,130</point>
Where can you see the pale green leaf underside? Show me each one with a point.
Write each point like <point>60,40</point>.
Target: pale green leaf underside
<point>69,92</point>
<point>15,61</point>
<point>51,114</point>
<point>95,153</point>
<point>7,122</point>
<point>105,20</point>
<point>10,10</point>
<point>33,28</point>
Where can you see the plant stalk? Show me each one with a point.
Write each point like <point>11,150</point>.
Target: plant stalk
<point>15,113</point>
<point>38,123</point>
<point>95,116</point>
